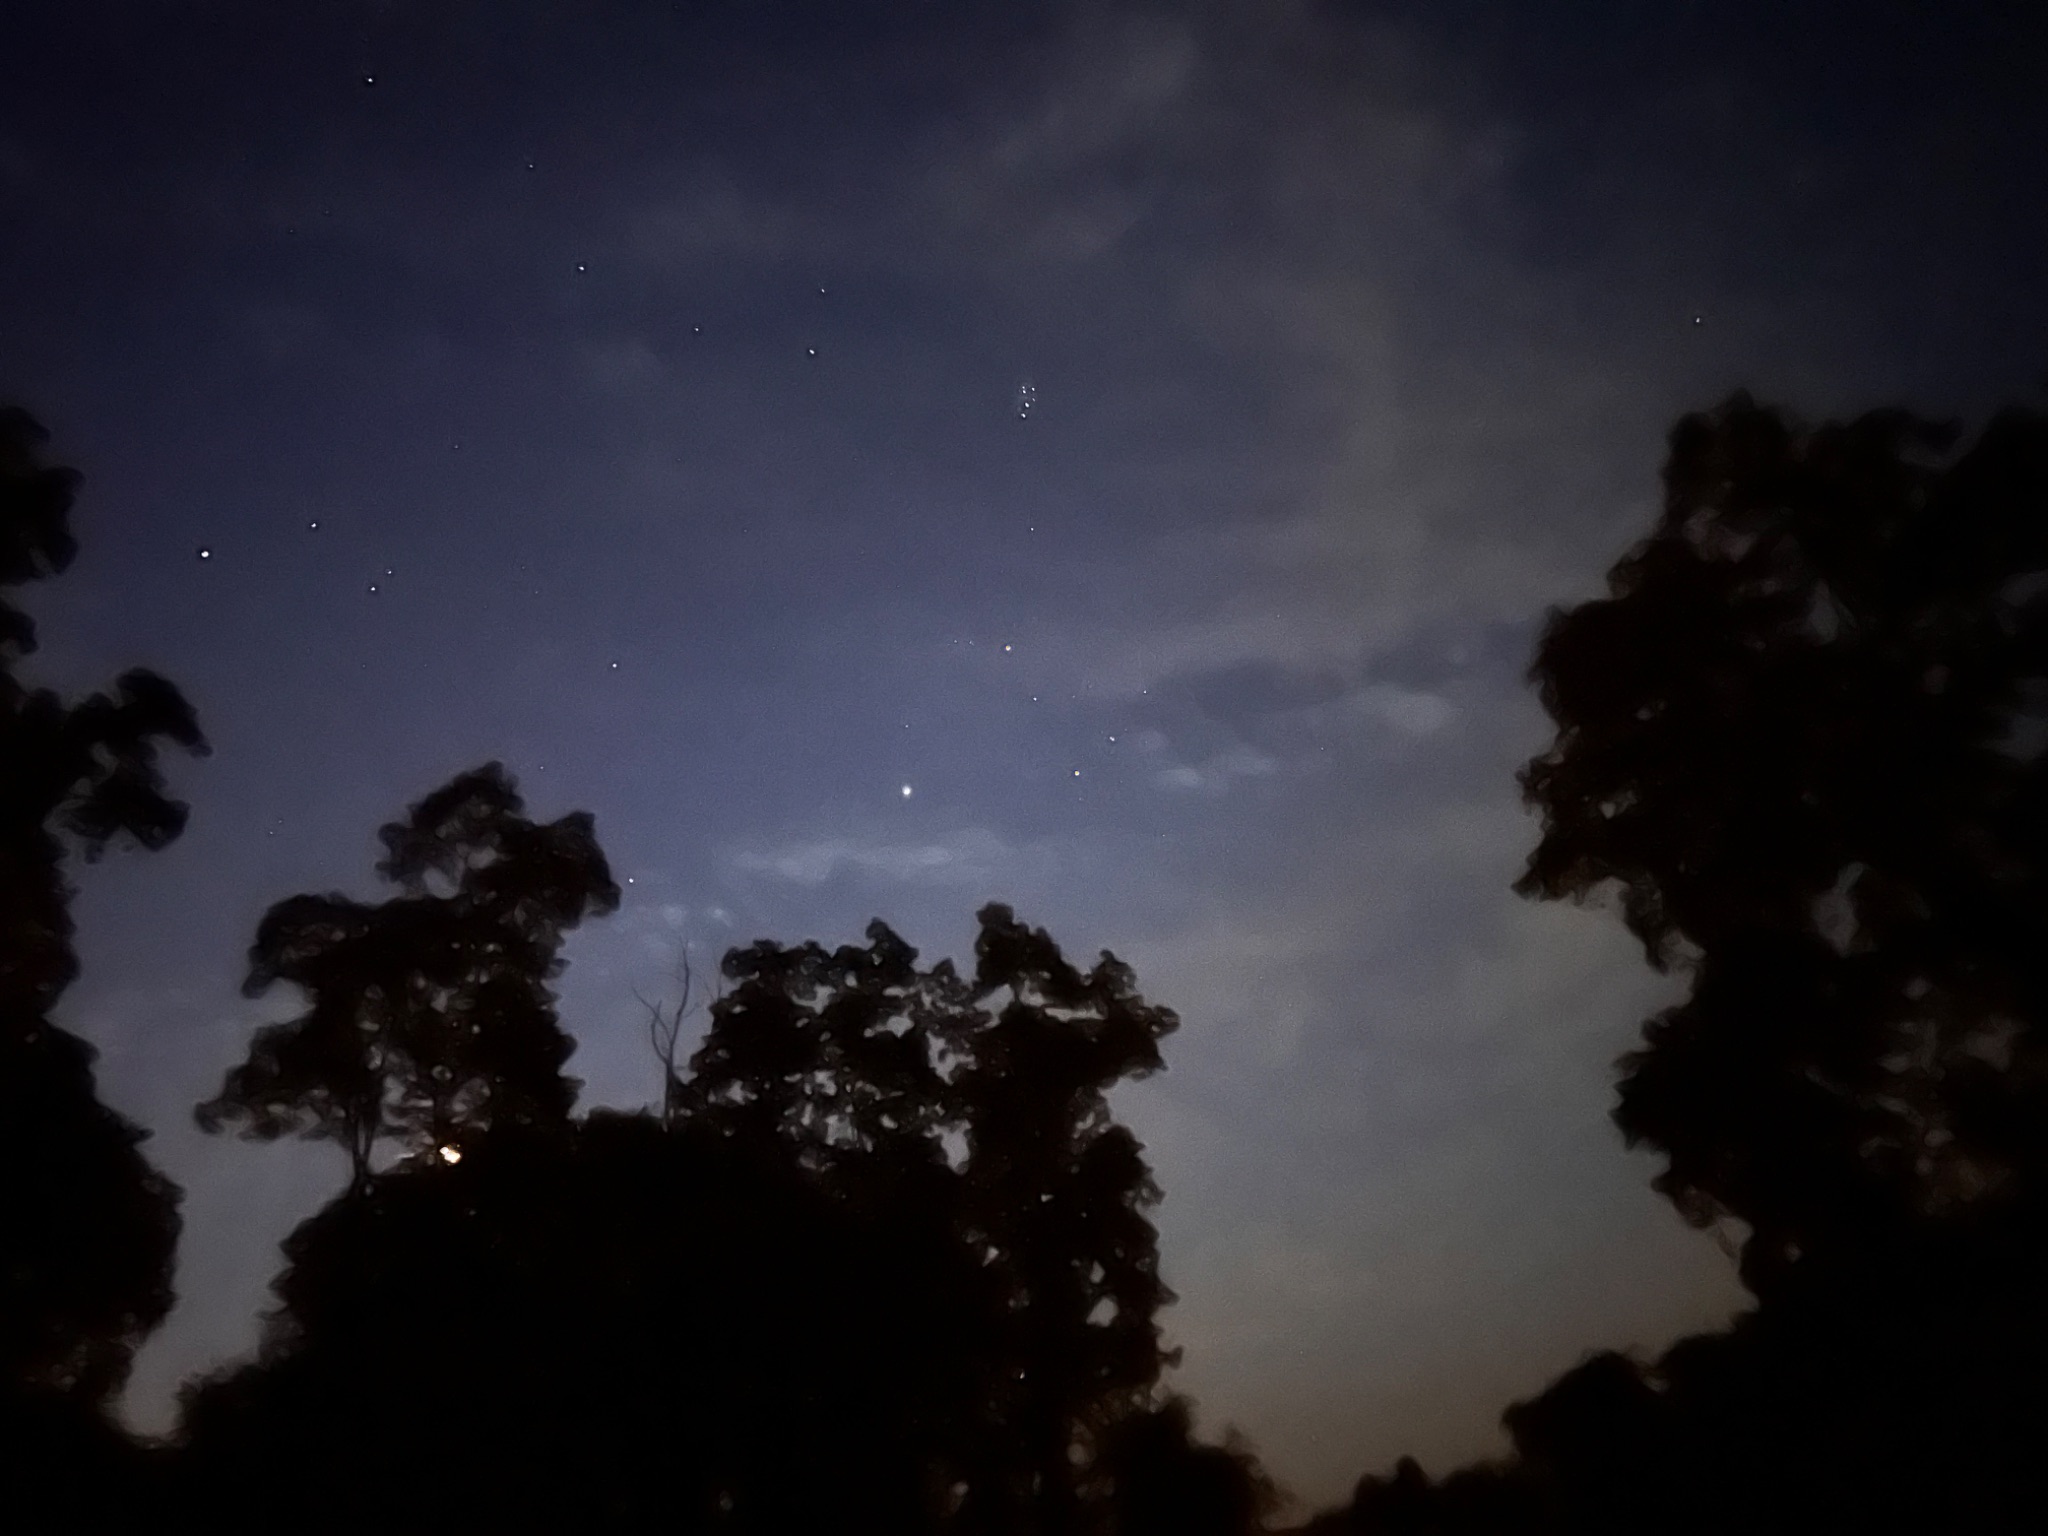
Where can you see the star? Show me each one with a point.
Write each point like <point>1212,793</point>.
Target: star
<point>205,554</point>
<point>906,791</point>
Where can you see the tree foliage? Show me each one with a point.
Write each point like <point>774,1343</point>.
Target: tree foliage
<point>881,1259</point>
<point>87,1226</point>
<point>1803,736</point>
<point>980,1106</point>
<point>613,1326</point>
<point>429,1018</point>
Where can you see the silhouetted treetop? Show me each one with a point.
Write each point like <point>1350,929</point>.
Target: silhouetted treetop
<point>35,522</point>
<point>1803,735</point>
<point>979,1110</point>
<point>429,1016</point>
<point>88,771</point>
<point>87,1226</point>
<point>1161,1481</point>
<point>834,1054</point>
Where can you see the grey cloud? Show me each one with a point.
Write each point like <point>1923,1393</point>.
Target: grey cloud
<point>1215,774</point>
<point>971,857</point>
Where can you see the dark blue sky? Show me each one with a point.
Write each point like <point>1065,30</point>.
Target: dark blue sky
<point>654,376</point>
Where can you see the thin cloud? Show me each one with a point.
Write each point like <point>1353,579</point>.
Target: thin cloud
<point>1217,773</point>
<point>972,856</point>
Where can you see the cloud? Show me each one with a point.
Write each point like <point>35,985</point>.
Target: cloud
<point>1411,712</point>
<point>972,856</point>
<point>1217,773</point>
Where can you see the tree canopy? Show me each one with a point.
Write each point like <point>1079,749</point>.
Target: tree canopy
<point>87,1226</point>
<point>881,1257</point>
<point>978,1105</point>
<point>1803,735</point>
<point>429,1018</point>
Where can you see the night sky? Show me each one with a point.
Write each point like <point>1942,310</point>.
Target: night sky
<point>880,459</point>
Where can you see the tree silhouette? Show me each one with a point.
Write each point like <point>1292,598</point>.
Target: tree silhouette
<point>861,1069</point>
<point>1161,1481</point>
<point>87,1225</point>
<point>610,1326</point>
<point>429,1018</point>
<point>1803,735</point>
<point>1056,1195</point>
<point>881,1259</point>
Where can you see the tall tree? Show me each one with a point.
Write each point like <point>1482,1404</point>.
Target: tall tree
<point>429,1017</point>
<point>87,1226</point>
<point>1803,734</point>
<point>986,1128</point>
<point>1057,1195</point>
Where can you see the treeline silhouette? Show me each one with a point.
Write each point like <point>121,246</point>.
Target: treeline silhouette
<point>880,1257</point>
<point>880,1260</point>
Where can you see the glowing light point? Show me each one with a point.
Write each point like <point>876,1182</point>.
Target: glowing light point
<point>906,791</point>
<point>451,1154</point>
<point>205,554</point>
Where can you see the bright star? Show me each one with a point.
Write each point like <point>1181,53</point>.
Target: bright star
<point>906,791</point>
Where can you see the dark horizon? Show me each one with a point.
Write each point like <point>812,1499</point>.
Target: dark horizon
<point>1109,460</point>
